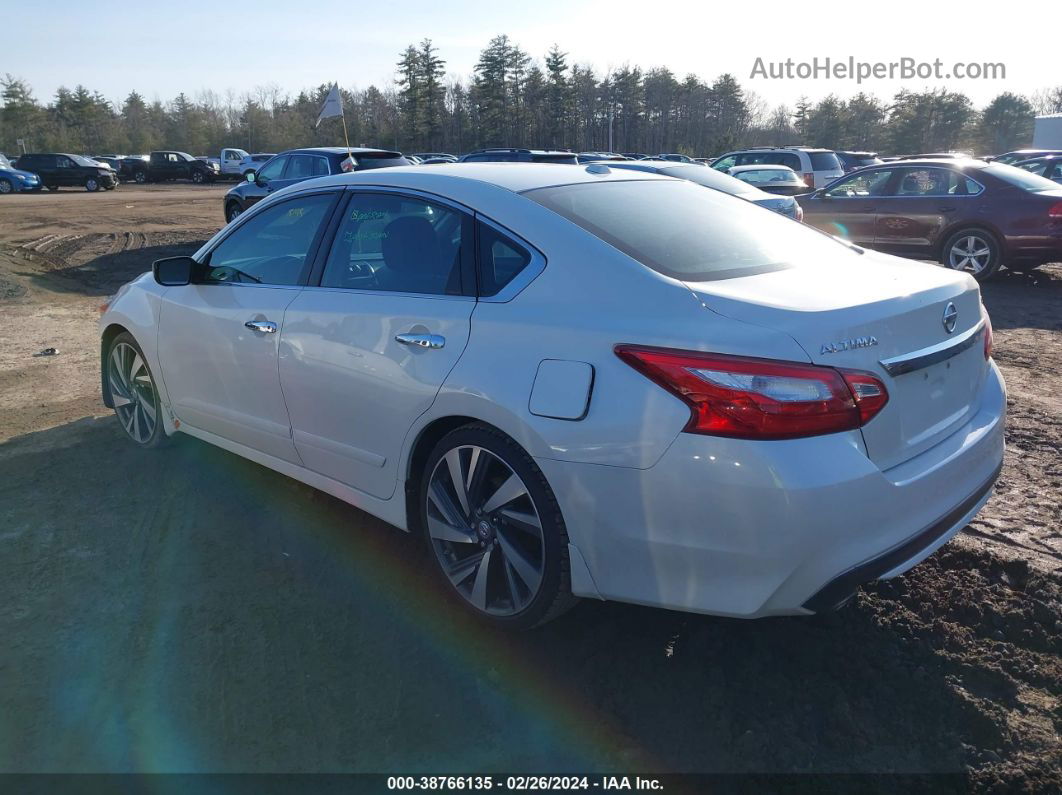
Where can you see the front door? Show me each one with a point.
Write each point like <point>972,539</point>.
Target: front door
<point>219,337</point>
<point>850,207</point>
<point>364,354</point>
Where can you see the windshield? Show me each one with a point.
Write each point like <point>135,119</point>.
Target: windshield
<point>185,156</point>
<point>709,178</point>
<point>687,233</point>
<point>1020,177</point>
<point>83,161</point>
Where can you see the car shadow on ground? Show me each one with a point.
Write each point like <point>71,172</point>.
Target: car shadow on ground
<point>101,275</point>
<point>185,609</point>
<point>1032,299</point>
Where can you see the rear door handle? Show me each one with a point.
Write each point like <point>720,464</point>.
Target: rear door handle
<point>421,340</point>
<point>264,326</point>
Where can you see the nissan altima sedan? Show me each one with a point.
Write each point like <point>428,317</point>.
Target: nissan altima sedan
<point>578,382</point>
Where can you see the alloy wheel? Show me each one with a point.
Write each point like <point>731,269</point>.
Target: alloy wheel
<point>234,213</point>
<point>5,186</point>
<point>970,253</point>
<point>132,392</point>
<point>485,530</point>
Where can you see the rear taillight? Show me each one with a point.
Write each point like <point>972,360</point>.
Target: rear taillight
<point>760,398</point>
<point>988,333</point>
<point>809,179</point>
<point>1055,211</point>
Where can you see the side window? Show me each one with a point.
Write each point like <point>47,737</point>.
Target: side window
<point>1036,167</point>
<point>930,182</point>
<point>791,160</point>
<point>500,259</point>
<point>401,244</point>
<point>972,188</point>
<point>272,247</point>
<point>723,163</point>
<point>63,162</point>
<point>860,185</point>
<point>306,166</point>
<point>273,169</point>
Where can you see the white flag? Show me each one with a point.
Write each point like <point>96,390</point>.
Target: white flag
<point>333,105</point>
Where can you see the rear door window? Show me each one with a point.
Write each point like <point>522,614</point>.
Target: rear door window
<point>915,182</point>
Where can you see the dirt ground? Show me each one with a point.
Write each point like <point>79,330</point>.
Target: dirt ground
<point>187,610</point>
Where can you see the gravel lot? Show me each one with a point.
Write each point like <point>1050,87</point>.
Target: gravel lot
<point>187,610</point>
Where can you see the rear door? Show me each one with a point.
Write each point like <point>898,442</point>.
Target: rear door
<point>219,337</point>
<point>66,172</point>
<point>364,353</point>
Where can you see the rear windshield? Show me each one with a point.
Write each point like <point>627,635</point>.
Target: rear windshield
<point>824,161</point>
<point>681,230</point>
<point>558,158</point>
<point>1019,177</point>
<point>368,160</point>
<point>708,177</point>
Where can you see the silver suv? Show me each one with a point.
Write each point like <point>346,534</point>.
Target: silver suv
<point>816,167</point>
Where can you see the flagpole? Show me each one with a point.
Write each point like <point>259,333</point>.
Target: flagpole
<point>346,140</point>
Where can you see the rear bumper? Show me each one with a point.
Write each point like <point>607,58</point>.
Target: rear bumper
<point>751,529</point>
<point>1046,248</point>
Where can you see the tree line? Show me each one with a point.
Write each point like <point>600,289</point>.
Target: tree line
<point>512,99</point>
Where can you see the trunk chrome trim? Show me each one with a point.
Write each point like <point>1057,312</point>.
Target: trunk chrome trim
<point>934,354</point>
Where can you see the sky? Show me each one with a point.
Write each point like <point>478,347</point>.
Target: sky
<point>161,49</point>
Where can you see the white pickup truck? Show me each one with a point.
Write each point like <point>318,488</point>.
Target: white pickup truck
<point>230,163</point>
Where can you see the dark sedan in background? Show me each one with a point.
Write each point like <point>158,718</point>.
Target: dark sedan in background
<point>1049,167</point>
<point>716,180</point>
<point>967,214</point>
<point>297,165</point>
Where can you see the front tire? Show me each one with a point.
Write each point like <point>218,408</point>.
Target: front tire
<point>975,251</point>
<point>232,212</point>
<point>6,187</point>
<point>92,184</point>
<point>198,177</point>
<point>133,392</point>
<point>495,529</point>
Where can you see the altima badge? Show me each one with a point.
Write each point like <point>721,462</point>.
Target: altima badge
<point>848,345</point>
<point>951,317</point>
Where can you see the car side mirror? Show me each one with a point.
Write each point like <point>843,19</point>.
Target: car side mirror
<point>252,176</point>
<point>174,271</point>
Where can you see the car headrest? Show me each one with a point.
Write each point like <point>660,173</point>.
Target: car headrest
<point>409,244</point>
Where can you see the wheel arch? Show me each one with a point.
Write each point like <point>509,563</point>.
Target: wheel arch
<point>106,338</point>
<point>423,444</point>
<point>985,226</point>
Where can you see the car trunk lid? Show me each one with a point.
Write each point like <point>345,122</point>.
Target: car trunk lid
<point>885,316</point>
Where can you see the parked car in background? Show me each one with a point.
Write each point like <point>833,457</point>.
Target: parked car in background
<point>230,163</point>
<point>1049,167</point>
<point>636,155</point>
<point>165,165</point>
<point>14,180</point>
<point>1010,158</point>
<point>128,165</point>
<point>817,167</point>
<point>502,155</point>
<point>715,180</point>
<point>297,165</point>
<point>582,427</point>
<point>781,180</point>
<point>434,161</point>
<point>704,161</point>
<point>599,157</point>
<point>60,169</point>
<point>413,159</point>
<point>967,214</point>
<point>252,163</point>
<point>675,157</point>
<point>850,161</point>
<point>113,163</point>
<point>436,156</point>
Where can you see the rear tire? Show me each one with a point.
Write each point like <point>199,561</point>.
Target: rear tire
<point>140,178</point>
<point>133,392</point>
<point>53,188</point>
<point>975,251</point>
<point>498,543</point>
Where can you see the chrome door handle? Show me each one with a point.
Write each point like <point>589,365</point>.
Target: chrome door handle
<point>421,340</point>
<point>265,326</point>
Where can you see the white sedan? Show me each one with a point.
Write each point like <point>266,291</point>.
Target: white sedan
<point>579,382</point>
